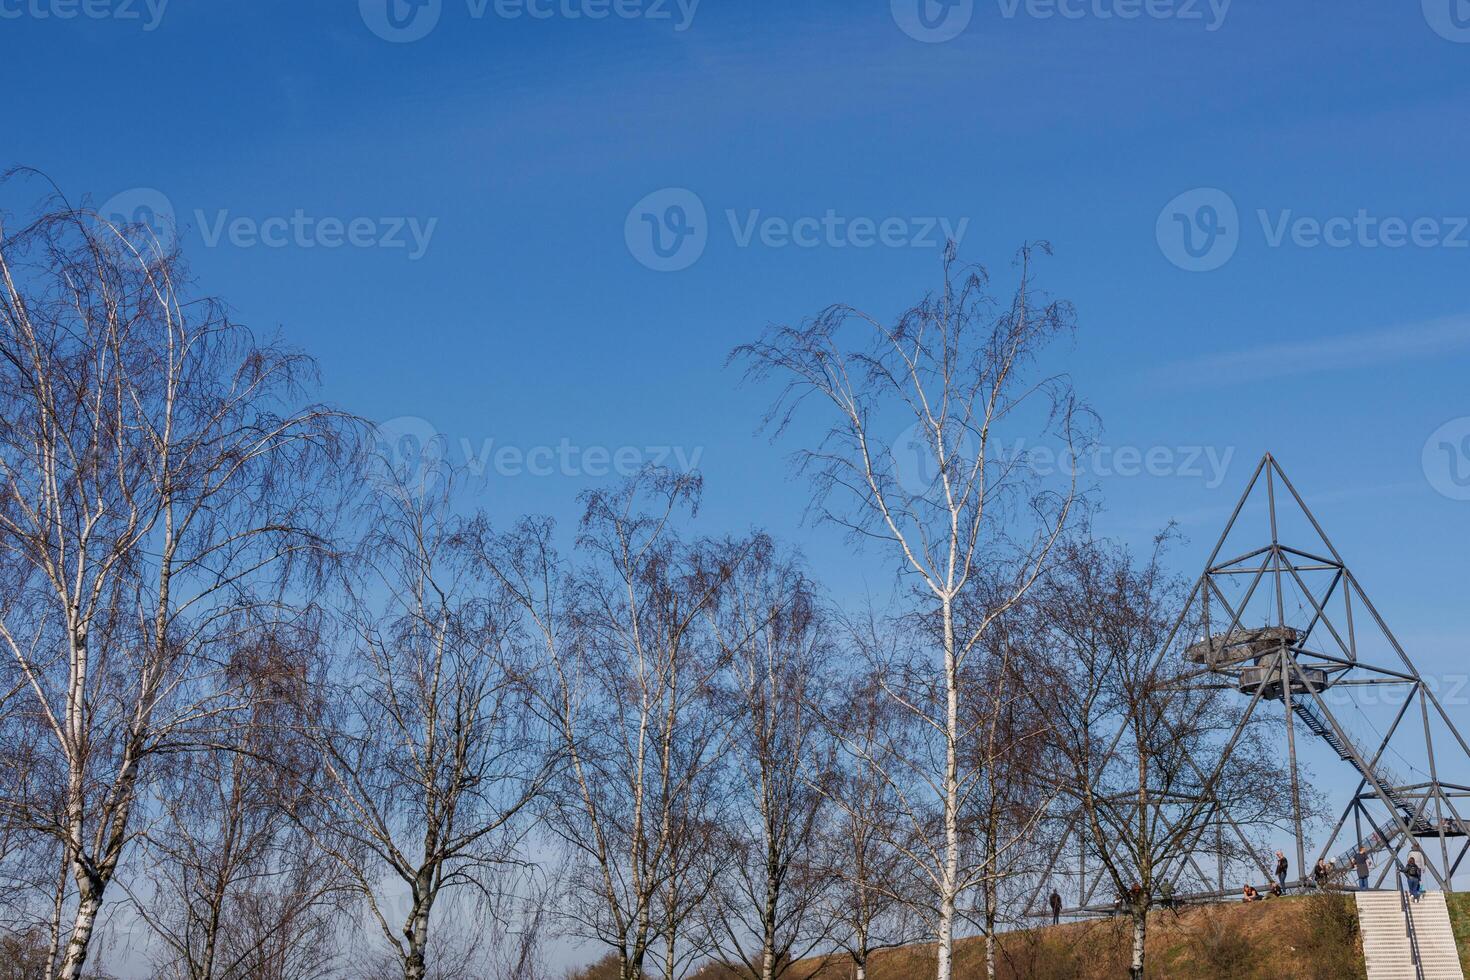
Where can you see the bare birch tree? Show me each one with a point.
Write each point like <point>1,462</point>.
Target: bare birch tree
<point>685,907</point>
<point>430,759</point>
<point>915,461</point>
<point>162,481</point>
<point>27,858</point>
<point>871,901</point>
<point>234,889</point>
<point>1012,796</point>
<point>778,650</point>
<point>631,670</point>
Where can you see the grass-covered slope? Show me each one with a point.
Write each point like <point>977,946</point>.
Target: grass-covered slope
<point>1313,938</point>
<point>1460,919</point>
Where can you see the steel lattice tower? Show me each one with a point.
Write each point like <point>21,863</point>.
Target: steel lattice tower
<point>1289,627</point>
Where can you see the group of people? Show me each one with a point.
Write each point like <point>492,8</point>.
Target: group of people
<point>1413,872</point>
<point>1322,876</point>
<point>1250,893</point>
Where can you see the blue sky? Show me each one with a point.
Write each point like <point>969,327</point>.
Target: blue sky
<point>518,146</point>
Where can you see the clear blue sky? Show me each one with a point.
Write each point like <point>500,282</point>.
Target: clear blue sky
<point>527,141</point>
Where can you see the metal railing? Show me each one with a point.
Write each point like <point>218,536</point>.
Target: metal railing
<point>1409,931</point>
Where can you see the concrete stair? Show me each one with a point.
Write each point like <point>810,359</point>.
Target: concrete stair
<point>1386,941</point>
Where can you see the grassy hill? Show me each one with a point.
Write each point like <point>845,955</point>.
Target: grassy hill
<point>1310,938</point>
<point>1460,919</point>
<point>1314,938</point>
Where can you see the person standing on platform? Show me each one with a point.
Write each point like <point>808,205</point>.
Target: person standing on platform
<point>1362,863</point>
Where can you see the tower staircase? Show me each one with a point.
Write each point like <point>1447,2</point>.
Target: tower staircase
<point>1405,940</point>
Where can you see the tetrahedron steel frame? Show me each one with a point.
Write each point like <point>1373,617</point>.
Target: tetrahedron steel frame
<point>1300,660</point>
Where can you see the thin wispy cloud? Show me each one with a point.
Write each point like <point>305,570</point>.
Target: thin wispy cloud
<point>1338,352</point>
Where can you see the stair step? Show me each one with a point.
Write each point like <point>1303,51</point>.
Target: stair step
<point>1387,949</point>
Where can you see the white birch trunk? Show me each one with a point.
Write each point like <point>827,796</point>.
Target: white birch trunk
<point>1140,935</point>
<point>945,966</point>
<point>81,935</point>
<point>415,966</point>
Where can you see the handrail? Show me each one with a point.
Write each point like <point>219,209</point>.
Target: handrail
<point>1413,936</point>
